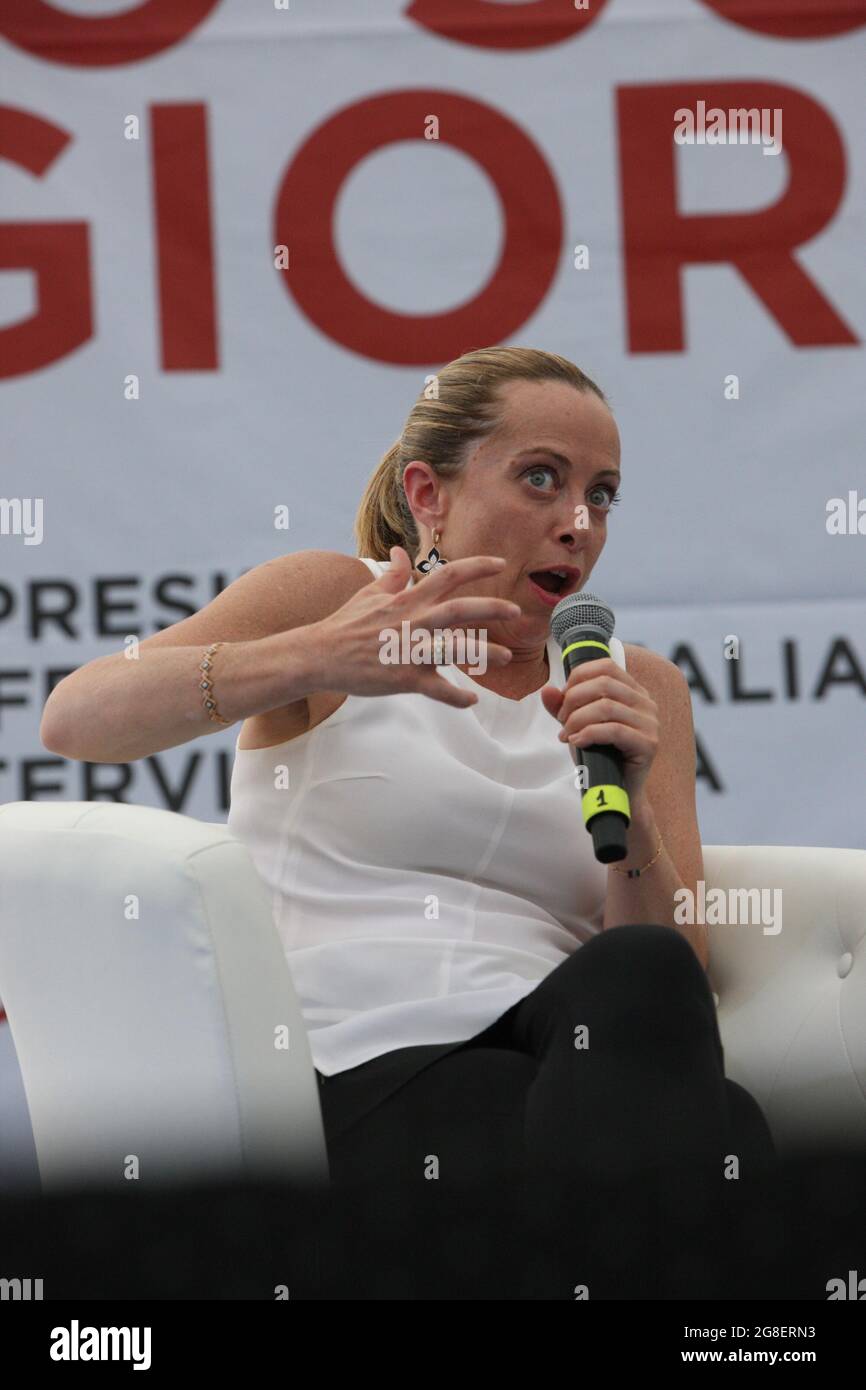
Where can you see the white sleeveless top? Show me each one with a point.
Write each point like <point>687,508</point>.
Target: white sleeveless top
<point>428,865</point>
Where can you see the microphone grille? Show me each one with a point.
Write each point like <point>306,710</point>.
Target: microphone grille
<point>581,610</point>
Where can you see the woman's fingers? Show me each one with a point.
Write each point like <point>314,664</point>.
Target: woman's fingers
<point>460,612</point>
<point>432,683</point>
<point>444,578</point>
<point>443,609</point>
<point>608,712</point>
<point>440,688</point>
<point>585,686</point>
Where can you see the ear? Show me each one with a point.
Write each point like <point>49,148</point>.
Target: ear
<point>421,486</point>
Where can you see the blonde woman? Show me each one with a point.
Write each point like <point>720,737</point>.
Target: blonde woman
<point>476,986</point>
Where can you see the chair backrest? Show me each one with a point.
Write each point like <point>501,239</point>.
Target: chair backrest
<point>19,1170</point>
<point>153,1011</point>
<point>148,995</point>
<point>792,991</point>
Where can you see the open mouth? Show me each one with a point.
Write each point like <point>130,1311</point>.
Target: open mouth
<point>554,581</point>
<point>546,579</point>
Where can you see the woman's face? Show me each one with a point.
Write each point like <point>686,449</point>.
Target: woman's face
<point>513,499</point>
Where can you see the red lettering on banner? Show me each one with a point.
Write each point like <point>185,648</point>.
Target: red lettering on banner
<point>57,252</point>
<point>660,240</point>
<point>535,25</point>
<point>304,218</point>
<point>93,41</point>
<point>181,194</point>
<point>793,19</point>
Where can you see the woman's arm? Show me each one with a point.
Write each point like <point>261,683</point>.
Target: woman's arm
<point>116,709</point>
<point>665,807</point>
<point>305,623</point>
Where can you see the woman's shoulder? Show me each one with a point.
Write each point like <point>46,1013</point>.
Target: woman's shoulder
<point>651,668</point>
<point>321,561</point>
<point>321,579</point>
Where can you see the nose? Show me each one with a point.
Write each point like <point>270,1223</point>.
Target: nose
<point>580,527</point>
<point>568,538</point>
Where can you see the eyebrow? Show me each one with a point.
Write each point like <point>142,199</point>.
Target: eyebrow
<point>563,461</point>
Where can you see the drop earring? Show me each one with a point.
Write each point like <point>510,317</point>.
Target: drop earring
<point>433,557</point>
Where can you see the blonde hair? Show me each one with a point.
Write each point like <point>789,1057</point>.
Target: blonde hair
<point>461,406</point>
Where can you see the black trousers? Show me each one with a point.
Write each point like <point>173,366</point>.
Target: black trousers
<point>611,1068</point>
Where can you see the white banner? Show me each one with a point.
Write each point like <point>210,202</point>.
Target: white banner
<point>236,238</point>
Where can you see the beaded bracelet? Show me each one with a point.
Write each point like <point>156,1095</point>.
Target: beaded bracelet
<point>206,684</point>
<point>636,873</point>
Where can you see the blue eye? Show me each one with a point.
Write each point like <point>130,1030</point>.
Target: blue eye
<point>540,468</point>
<point>613,497</point>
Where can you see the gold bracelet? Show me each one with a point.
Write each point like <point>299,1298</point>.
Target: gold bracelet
<point>636,873</point>
<point>206,684</point>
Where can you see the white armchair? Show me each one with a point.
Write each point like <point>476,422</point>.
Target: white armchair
<point>151,1006</point>
<point>792,1005</point>
<point>148,996</point>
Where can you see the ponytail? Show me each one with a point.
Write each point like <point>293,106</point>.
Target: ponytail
<point>384,517</point>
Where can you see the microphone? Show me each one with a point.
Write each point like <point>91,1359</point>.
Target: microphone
<point>583,625</point>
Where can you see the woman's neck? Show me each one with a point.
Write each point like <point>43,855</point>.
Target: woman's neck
<point>516,680</point>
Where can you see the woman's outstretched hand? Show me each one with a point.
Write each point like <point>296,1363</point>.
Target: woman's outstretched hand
<point>351,653</point>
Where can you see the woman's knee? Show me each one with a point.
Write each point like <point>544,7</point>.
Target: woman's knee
<point>645,937</point>
<point>646,953</point>
<point>657,958</point>
<point>644,974</point>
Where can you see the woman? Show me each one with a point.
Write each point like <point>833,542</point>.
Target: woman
<point>482,997</point>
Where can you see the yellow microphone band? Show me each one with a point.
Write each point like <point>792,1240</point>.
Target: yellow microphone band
<point>572,646</point>
<point>604,797</point>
